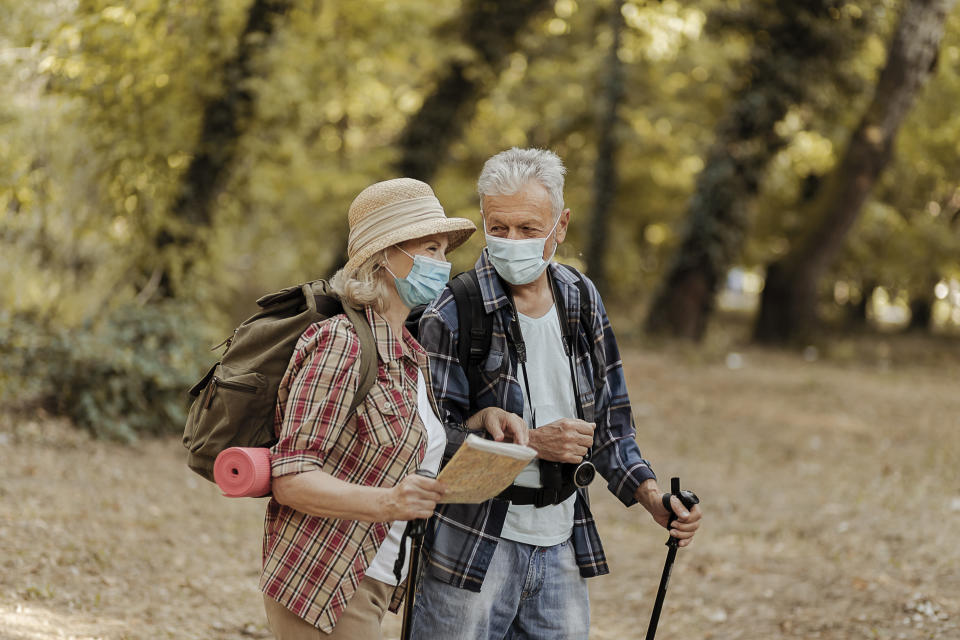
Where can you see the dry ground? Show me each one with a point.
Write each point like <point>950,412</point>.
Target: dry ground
<point>831,491</point>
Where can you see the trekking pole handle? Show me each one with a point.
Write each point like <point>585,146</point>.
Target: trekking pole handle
<point>414,530</point>
<point>419,526</point>
<point>688,498</point>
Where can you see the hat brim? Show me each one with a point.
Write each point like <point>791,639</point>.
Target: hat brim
<point>457,230</point>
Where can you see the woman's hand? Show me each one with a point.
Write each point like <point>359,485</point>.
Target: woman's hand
<point>502,425</point>
<point>413,497</point>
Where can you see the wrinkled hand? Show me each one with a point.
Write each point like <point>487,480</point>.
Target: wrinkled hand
<point>502,425</point>
<point>413,497</point>
<point>687,521</point>
<point>564,440</point>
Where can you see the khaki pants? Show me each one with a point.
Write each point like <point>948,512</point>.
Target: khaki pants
<point>359,621</point>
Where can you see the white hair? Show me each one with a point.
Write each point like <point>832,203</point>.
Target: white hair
<point>365,286</point>
<point>509,171</point>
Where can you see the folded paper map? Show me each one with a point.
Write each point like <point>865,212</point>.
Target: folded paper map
<point>480,469</point>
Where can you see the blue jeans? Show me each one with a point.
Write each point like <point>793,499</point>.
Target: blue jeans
<point>528,593</point>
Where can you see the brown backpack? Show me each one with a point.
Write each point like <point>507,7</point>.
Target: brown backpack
<point>235,403</point>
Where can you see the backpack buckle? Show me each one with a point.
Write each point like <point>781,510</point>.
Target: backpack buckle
<point>546,497</point>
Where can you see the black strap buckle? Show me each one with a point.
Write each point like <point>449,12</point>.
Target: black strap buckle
<point>546,497</point>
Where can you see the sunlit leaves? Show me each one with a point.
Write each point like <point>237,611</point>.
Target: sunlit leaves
<point>106,98</point>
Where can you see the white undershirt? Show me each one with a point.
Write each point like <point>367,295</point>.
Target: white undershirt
<point>552,391</point>
<point>382,566</point>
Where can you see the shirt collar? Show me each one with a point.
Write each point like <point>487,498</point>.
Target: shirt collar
<point>491,287</point>
<point>388,346</point>
<point>495,296</point>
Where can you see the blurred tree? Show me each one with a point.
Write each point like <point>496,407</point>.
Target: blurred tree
<point>550,95</point>
<point>796,45</point>
<point>912,241</point>
<point>107,105</point>
<point>489,32</point>
<point>224,120</point>
<point>605,168</point>
<point>790,297</point>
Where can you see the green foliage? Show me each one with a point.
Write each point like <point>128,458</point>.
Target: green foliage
<point>126,375</point>
<point>106,102</point>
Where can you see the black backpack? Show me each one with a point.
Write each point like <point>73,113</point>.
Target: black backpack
<point>476,325</point>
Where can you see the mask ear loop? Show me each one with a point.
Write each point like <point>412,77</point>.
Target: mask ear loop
<point>552,234</point>
<point>386,259</point>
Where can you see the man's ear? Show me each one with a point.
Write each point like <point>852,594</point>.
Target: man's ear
<point>561,232</point>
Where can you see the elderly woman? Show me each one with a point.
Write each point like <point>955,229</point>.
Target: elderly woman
<point>343,484</point>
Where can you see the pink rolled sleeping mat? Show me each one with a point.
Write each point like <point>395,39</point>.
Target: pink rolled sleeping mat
<point>243,472</point>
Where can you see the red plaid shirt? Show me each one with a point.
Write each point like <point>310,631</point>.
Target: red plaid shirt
<point>312,565</point>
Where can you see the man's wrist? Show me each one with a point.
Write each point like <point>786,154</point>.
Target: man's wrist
<point>648,493</point>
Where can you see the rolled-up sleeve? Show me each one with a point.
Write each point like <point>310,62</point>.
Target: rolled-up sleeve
<point>322,382</point>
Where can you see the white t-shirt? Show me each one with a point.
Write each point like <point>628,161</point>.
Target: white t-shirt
<point>382,566</point>
<point>553,396</point>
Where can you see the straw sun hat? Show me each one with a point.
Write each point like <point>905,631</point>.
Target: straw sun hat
<point>394,211</point>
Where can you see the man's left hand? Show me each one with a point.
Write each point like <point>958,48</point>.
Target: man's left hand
<point>502,425</point>
<point>687,522</point>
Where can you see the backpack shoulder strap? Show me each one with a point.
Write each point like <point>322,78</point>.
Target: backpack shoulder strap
<point>584,292</point>
<point>368,355</point>
<point>476,329</point>
<point>586,311</point>
<point>321,299</point>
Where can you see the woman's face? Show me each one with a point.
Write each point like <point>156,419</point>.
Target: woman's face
<point>434,246</point>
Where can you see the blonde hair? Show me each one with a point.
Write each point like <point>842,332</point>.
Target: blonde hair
<point>363,286</point>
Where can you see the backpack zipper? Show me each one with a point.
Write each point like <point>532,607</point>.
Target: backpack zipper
<point>234,386</point>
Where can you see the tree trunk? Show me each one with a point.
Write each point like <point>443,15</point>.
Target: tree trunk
<point>605,170</point>
<point>224,121</point>
<point>788,310</point>
<point>921,304</point>
<point>490,28</point>
<point>856,319</point>
<point>746,141</point>
<point>921,313</point>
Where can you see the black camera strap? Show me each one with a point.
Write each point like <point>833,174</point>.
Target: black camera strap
<point>515,335</point>
<point>545,495</point>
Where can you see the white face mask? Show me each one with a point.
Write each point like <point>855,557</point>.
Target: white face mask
<point>519,261</point>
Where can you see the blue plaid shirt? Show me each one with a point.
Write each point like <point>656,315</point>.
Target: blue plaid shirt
<point>461,538</point>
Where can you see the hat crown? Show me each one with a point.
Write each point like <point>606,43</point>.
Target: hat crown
<point>394,211</point>
<point>381,194</point>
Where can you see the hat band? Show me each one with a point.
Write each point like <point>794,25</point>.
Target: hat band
<point>393,217</point>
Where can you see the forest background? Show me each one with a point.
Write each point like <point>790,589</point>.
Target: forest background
<point>165,163</point>
<point>743,174</point>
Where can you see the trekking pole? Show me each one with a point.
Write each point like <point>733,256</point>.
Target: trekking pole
<point>415,530</point>
<point>688,498</point>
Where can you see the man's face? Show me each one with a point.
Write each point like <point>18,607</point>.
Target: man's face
<point>524,215</point>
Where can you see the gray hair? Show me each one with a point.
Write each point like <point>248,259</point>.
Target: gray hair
<point>365,286</point>
<point>507,172</point>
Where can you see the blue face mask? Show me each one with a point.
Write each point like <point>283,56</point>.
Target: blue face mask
<point>519,261</point>
<point>423,284</point>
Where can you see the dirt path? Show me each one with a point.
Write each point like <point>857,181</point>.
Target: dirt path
<point>833,497</point>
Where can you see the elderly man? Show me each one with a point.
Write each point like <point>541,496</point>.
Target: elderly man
<point>540,347</point>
